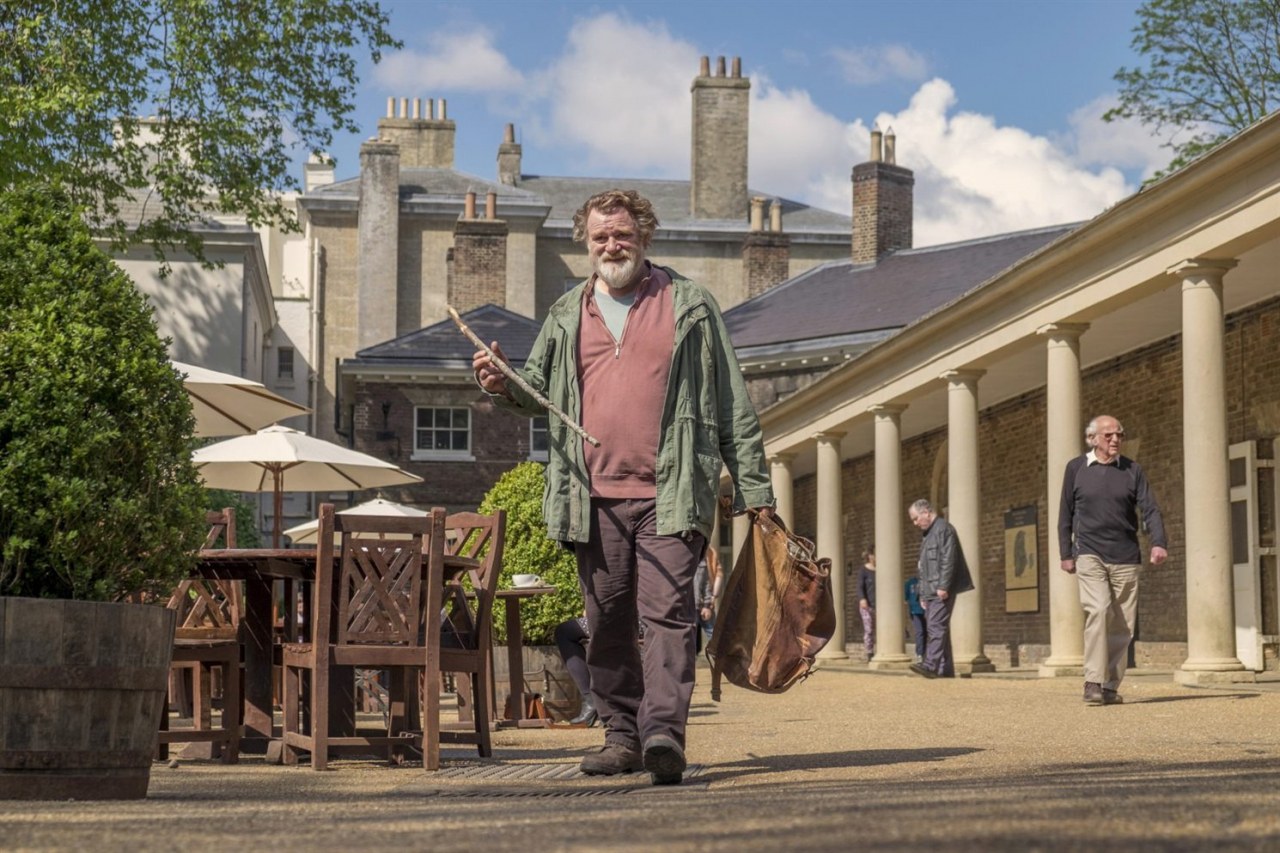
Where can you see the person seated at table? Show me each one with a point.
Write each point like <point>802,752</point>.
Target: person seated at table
<point>571,639</point>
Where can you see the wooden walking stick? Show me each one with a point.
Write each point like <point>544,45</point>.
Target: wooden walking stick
<point>509,372</point>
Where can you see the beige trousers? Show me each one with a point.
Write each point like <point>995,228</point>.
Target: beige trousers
<point>1109,595</point>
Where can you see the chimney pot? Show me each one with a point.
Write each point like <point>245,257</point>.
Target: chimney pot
<point>719,66</point>
<point>876,146</point>
<point>404,108</point>
<point>704,67</point>
<point>491,205</point>
<point>431,109</point>
<point>757,213</point>
<point>417,108</point>
<point>775,216</point>
<point>890,146</point>
<point>737,66</point>
<point>509,135</point>
<point>443,114</point>
<point>469,205</point>
<point>391,107</point>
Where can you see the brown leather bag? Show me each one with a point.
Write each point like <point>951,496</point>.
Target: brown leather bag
<point>777,612</point>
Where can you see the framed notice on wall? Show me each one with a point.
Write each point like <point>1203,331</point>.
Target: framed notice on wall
<point>1021,561</point>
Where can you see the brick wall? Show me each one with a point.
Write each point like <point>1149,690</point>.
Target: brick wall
<point>882,210</point>
<point>766,261</point>
<point>478,264</point>
<point>499,441</point>
<point>1143,390</point>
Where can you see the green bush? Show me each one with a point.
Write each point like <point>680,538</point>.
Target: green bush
<point>98,497</point>
<point>527,550</point>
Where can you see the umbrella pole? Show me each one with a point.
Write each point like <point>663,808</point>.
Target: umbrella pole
<point>277,507</point>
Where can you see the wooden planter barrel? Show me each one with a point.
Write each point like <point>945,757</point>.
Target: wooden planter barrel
<point>81,692</point>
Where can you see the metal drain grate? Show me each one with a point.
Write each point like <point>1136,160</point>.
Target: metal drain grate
<point>549,781</point>
<point>504,772</point>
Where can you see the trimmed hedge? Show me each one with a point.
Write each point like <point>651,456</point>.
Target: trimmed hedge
<point>98,496</point>
<point>527,550</point>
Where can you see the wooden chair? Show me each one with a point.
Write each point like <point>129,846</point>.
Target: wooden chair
<point>207,636</point>
<point>466,633</point>
<point>369,611</point>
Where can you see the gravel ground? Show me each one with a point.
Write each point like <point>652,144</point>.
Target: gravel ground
<point>850,759</point>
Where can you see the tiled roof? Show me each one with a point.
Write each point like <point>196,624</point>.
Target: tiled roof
<point>841,298</point>
<point>564,195</point>
<point>443,345</point>
<point>670,201</point>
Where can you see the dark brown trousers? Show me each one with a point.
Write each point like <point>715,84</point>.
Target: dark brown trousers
<point>630,574</point>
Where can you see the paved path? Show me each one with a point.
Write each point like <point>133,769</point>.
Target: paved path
<point>850,760</point>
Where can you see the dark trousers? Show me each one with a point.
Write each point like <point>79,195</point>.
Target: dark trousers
<point>937,653</point>
<point>919,630</point>
<point>627,570</point>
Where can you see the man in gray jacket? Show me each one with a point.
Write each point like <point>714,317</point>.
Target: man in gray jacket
<point>641,357</point>
<point>943,574</point>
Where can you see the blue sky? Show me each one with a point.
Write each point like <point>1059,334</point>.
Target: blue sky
<point>996,103</point>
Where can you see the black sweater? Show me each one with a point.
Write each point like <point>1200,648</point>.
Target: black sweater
<point>1100,505</point>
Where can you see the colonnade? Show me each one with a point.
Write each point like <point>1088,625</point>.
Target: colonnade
<point>1210,612</point>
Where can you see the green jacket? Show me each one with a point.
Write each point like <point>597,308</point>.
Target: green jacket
<point>707,418</point>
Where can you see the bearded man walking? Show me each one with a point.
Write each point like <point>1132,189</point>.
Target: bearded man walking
<point>642,358</point>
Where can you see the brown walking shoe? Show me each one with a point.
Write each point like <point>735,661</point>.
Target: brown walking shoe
<point>664,759</point>
<point>612,759</point>
<point>1111,697</point>
<point>1093,693</point>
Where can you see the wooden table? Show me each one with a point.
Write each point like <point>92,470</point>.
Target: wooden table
<point>511,599</point>
<point>258,568</point>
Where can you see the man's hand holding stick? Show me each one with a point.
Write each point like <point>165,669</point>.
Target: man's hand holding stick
<point>489,358</point>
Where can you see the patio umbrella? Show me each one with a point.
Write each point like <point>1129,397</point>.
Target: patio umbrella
<point>305,533</point>
<point>279,459</point>
<point>225,404</point>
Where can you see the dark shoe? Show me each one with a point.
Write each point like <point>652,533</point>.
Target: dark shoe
<point>1093,693</point>
<point>587,715</point>
<point>1111,697</point>
<point>919,669</point>
<point>664,759</point>
<point>610,760</point>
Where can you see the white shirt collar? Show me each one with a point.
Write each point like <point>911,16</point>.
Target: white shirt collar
<point>1092,459</point>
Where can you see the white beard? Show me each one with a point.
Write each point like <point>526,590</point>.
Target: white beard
<point>620,273</point>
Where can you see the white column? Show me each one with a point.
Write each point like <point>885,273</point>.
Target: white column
<point>1064,438</point>
<point>830,530</point>
<point>964,511</point>
<point>1211,640</point>
<point>780,475</point>
<point>890,511</point>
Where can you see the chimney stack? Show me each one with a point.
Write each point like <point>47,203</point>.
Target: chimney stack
<point>718,170</point>
<point>477,264</point>
<point>882,202</point>
<point>766,255</point>
<point>509,158</point>
<point>426,140</point>
<point>377,235</point>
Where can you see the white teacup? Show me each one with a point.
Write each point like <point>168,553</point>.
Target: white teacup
<point>526,580</point>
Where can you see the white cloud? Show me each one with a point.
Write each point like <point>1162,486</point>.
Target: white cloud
<point>1125,143</point>
<point>866,66</point>
<point>975,178</point>
<point>632,116</point>
<point>463,61</point>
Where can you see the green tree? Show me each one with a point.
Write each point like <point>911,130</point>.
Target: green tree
<point>98,496</point>
<point>527,550</point>
<point>1212,69</point>
<point>236,88</point>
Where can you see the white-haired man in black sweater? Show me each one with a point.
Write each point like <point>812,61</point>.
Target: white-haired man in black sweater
<point>1102,494</point>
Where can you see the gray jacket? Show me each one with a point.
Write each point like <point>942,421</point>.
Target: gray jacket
<point>942,564</point>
